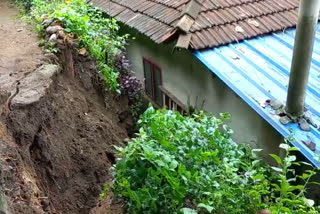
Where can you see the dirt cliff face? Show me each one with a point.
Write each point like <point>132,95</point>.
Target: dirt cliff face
<point>57,133</point>
<point>66,140</point>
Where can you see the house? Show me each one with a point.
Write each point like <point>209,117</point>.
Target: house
<point>225,56</point>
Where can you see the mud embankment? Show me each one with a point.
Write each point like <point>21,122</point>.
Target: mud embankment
<point>58,142</point>
<point>57,132</point>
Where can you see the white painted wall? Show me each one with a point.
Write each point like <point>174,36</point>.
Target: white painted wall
<point>186,77</point>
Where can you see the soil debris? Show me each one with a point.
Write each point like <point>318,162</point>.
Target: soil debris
<point>57,133</point>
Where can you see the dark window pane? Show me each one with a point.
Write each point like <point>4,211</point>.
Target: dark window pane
<point>179,109</point>
<point>167,101</point>
<point>157,82</point>
<point>148,78</point>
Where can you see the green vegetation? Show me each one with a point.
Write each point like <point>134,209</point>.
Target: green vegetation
<point>99,35</point>
<point>180,164</point>
<point>177,164</point>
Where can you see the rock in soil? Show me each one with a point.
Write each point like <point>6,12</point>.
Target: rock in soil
<point>53,38</point>
<point>33,87</point>
<point>47,22</point>
<point>53,29</point>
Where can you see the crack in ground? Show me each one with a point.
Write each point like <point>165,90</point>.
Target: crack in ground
<point>13,95</point>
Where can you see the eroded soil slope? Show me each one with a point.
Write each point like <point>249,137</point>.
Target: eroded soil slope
<point>55,150</point>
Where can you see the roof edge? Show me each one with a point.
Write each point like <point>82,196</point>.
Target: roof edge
<point>188,17</point>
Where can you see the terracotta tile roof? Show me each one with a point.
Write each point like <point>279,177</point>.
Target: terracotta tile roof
<point>201,24</point>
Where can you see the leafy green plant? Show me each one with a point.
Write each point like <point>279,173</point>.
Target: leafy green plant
<point>51,47</point>
<point>285,191</point>
<point>98,34</point>
<point>180,164</point>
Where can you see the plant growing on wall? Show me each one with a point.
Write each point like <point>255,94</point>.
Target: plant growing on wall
<point>181,164</point>
<point>130,85</point>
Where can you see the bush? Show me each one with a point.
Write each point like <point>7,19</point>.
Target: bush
<point>99,35</point>
<point>181,164</point>
<point>131,86</point>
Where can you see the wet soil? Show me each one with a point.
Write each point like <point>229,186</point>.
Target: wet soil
<point>55,153</point>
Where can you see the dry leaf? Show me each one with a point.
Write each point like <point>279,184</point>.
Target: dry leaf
<point>239,29</point>
<point>68,38</point>
<point>83,51</point>
<point>253,22</point>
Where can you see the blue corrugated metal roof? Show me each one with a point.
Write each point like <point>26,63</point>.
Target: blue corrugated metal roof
<point>258,69</point>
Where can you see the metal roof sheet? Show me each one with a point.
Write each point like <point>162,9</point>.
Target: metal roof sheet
<point>258,70</point>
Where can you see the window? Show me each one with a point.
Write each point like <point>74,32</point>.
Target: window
<point>153,81</point>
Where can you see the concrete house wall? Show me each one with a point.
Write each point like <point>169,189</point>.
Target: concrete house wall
<point>189,80</point>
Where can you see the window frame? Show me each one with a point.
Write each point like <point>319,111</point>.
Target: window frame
<point>153,67</point>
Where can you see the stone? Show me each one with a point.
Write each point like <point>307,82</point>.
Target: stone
<point>47,22</point>
<point>304,125</point>
<point>285,120</point>
<point>53,29</point>
<point>311,145</point>
<point>61,34</point>
<point>276,104</point>
<point>53,38</point>
<point>308,117</point>
<point>34,86</point>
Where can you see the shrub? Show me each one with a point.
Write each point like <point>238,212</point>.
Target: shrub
<point>181,164</point>
<point>130,85</point>
<point>98,34</point>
